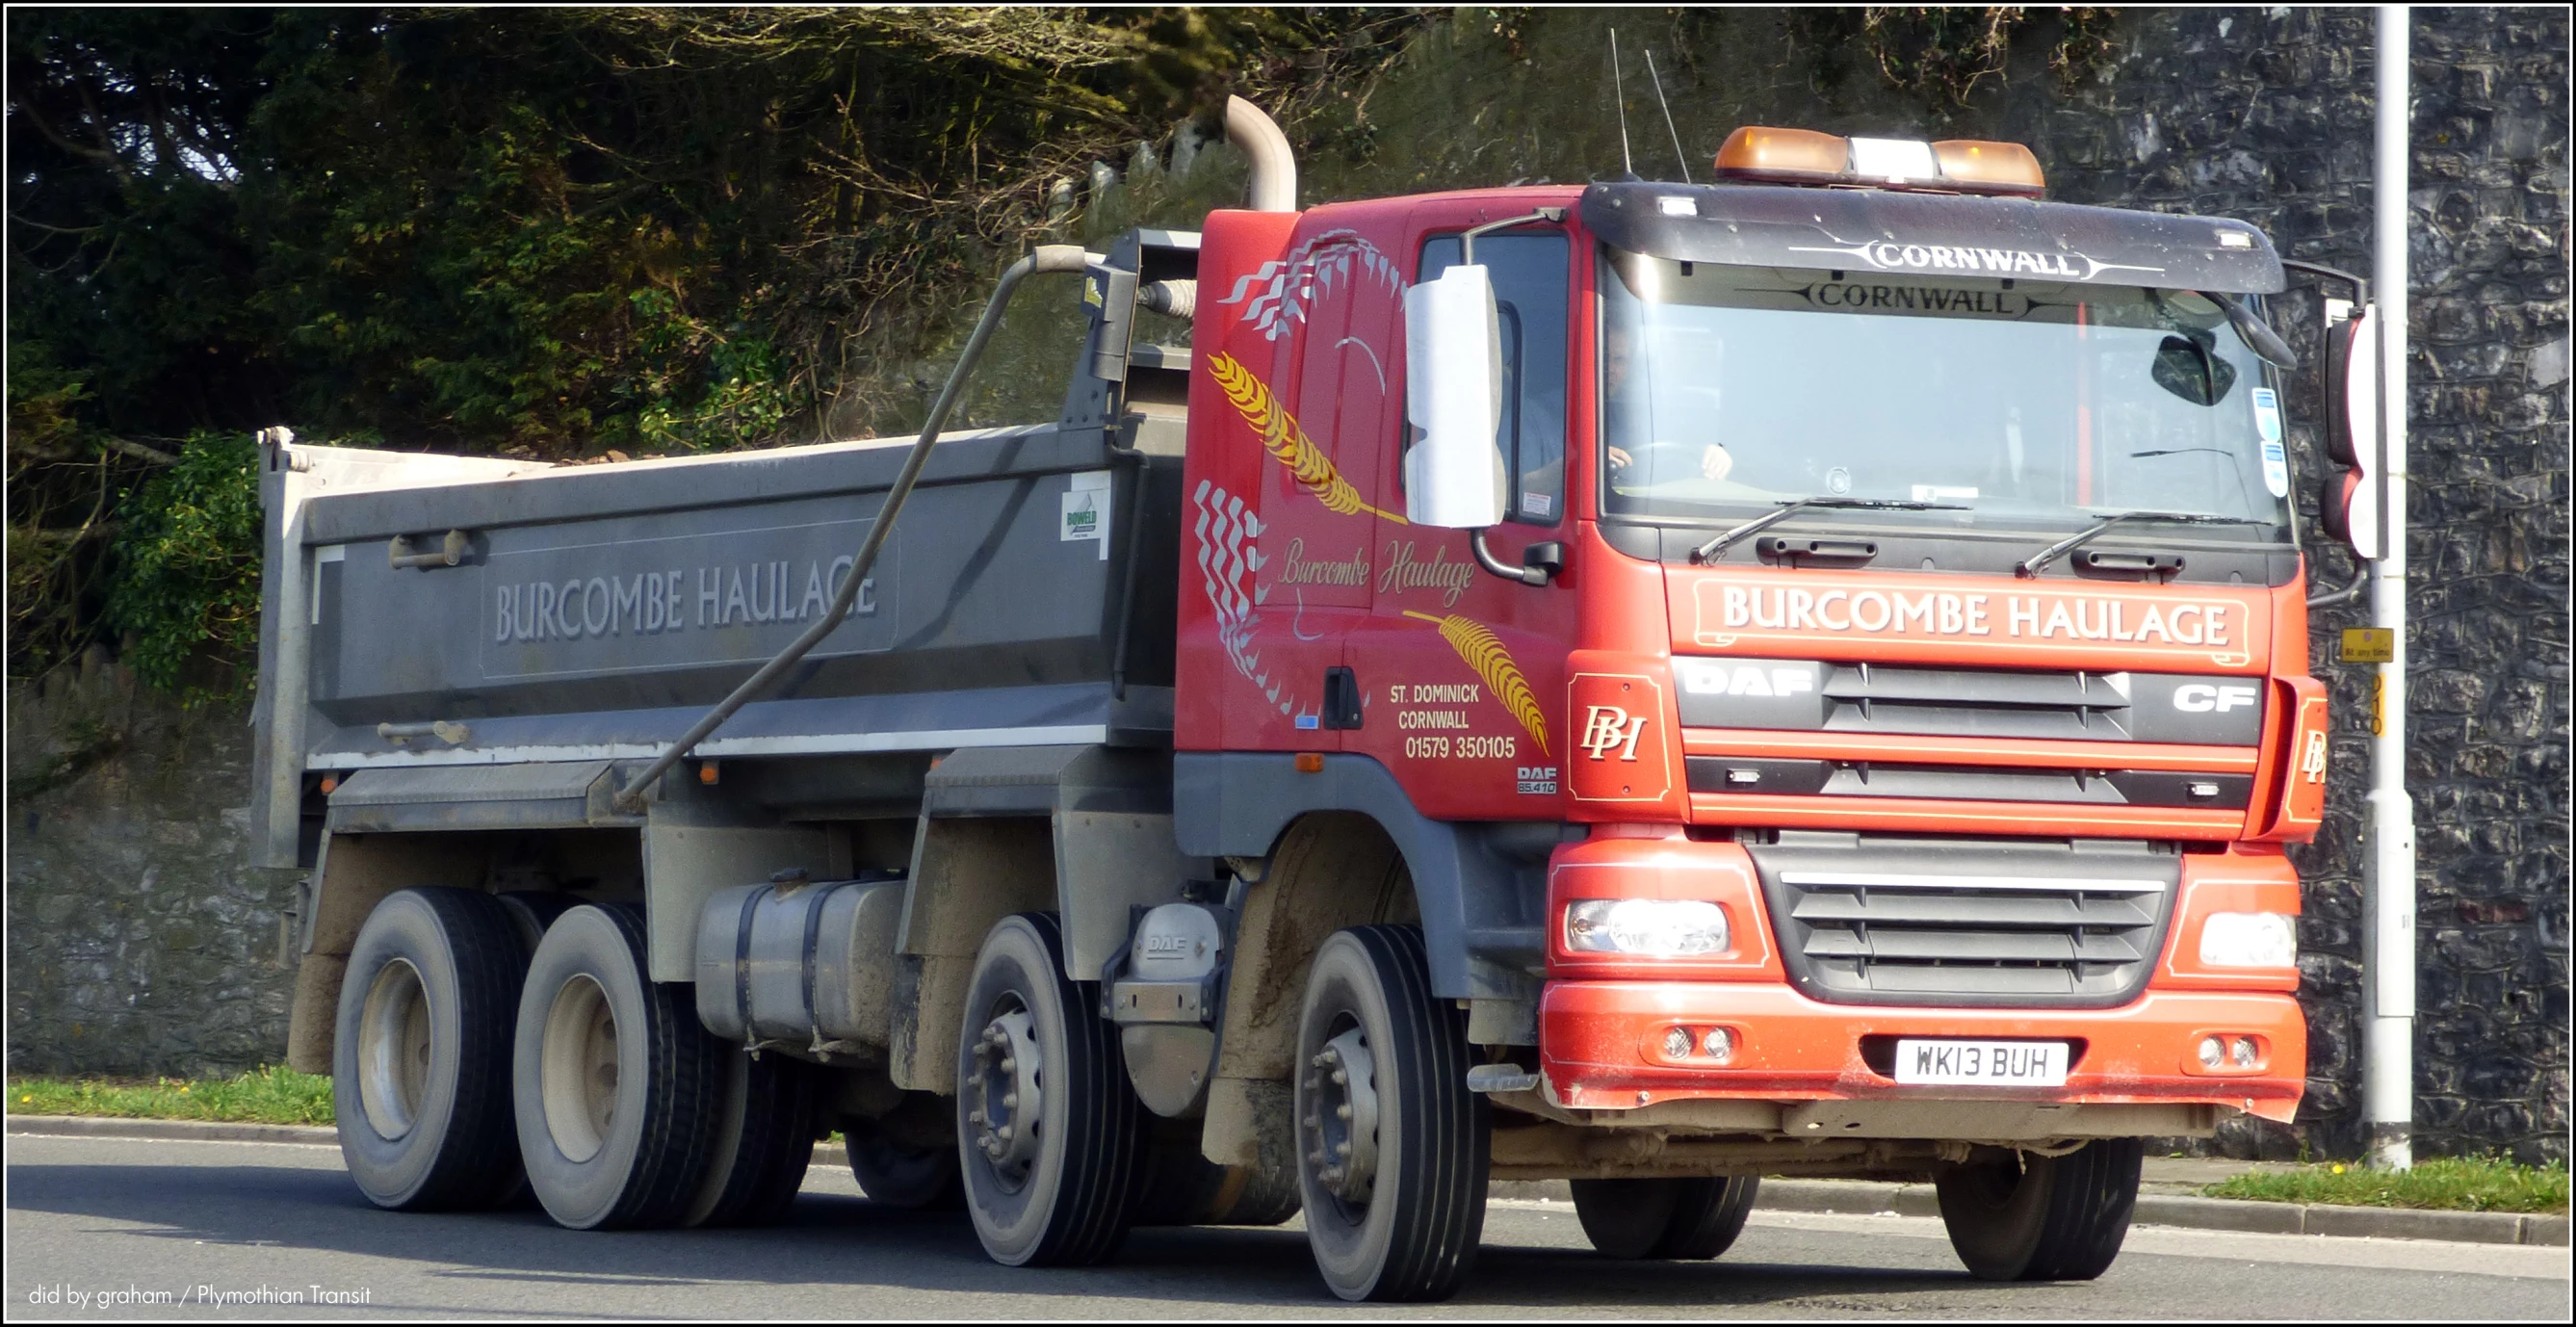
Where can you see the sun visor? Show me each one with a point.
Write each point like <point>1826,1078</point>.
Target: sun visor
<point>1922,234</point>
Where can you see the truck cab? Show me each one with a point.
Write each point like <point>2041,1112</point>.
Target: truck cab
<point>1871,659</point>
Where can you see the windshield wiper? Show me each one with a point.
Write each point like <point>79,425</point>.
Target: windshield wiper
<point>2039,561</point>
<point>1708,552</point>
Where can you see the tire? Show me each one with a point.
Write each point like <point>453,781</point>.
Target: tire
<point>2020,1217</point>
<point>1688,1219</point>
<point>764,1141</point>
<point>420,1057</point>
<point>898,1173</point>
<point>1393,1212</point>
<point>631,1147</point>
<point>1177,1186</point>
<point>533,910</point>
<point>1054,1192</point>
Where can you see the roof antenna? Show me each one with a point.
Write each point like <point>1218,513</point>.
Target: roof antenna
<point>1668,114</point>
<point>1619,95</point>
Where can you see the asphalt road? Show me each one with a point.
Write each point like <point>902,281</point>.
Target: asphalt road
<point>107,1228</point>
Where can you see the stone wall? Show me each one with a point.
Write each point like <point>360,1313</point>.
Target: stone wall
<point>138,944</point>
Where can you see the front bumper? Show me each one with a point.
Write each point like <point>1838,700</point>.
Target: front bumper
<point>1601,1047</point>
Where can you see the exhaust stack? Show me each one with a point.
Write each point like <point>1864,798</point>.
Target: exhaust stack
<point>1274,168</point>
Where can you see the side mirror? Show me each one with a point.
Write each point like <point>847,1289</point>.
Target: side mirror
<point>1453,370</point>
<point>2351,506</point>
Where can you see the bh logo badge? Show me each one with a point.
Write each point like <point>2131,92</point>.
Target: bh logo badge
<point>1608,728</point>
<point>1621,733</point>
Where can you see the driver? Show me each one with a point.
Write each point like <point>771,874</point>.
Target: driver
<point>1622,409</point>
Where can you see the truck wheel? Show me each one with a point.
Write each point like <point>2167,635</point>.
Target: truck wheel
<point>420,1057</point>
<point>900,1174</point>
<point>764,1141</point>
<point>616,1085</point>
<point>1390,1143</point>
<point>1692,1219</point>
<point>1048,1130</point>
<point>2021,1217</point>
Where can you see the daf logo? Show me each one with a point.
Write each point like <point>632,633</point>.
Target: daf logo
<point>1608,727</point>
<point>1706,678</point>
<point>2202,697</point>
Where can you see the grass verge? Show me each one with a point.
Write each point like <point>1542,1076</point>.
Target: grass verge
<point>271,1095</point>
<point>2460,1184</point>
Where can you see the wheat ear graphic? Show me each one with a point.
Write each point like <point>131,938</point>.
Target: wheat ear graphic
<point>1281,437</point>
<point>1484,653</point>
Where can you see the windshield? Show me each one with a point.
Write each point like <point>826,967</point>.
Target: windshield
<point>1727,390</point>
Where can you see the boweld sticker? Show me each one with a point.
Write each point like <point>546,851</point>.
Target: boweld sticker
<point>2276,461</point>
<point>1086,511</point>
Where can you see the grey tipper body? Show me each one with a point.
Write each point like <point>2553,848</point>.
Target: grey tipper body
<point>597,610</point>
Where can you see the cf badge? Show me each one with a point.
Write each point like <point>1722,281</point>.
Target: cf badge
<point>1608,728</point>
<point>1623,740</point>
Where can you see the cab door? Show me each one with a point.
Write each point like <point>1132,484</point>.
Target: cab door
<point>1304,381</point>
<point>1463,671</point>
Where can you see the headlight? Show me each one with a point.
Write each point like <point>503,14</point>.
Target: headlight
<point>1656,928</point>
<point>2249,940</point>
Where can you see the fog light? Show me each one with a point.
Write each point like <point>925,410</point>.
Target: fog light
<point>1719,1045</point>
<point>2213,1053</point>
<point>2243,1052</point>
<point>1677,1043</point>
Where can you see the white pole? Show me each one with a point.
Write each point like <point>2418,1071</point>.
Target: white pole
<point>2388,1057</point>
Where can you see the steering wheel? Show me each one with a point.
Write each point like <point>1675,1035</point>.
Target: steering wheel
<point>1661,461</point>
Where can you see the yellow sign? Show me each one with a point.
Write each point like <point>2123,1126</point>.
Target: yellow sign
<point>2369,645</point>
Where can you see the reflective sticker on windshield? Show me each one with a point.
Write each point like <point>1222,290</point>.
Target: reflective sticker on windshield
<point>2276,461</point>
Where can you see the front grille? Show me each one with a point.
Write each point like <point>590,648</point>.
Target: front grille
<point>1886,920</point>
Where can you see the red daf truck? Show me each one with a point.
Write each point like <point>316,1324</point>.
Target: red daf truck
<point>1646,684</point>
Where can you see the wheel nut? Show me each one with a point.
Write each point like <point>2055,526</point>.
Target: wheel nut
<point>1343,1111</point>
<point>1003,1133</point>
<point>1009,1064</point>
<point>974,1117</point>
<point>1341,1078</point>
<point>1010,1101</point>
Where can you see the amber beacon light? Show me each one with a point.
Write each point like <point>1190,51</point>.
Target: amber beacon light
<point>1760,155</point>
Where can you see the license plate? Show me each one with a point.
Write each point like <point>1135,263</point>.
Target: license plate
<point>1982,1063</point>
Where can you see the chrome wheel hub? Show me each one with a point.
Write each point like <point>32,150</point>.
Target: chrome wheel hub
<point>577,1069</point>
<point>1008,1096</point>
<point>1340,1126</point>
<point>394,1050</point>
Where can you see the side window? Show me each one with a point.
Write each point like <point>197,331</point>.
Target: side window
<point>1529,274</point>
